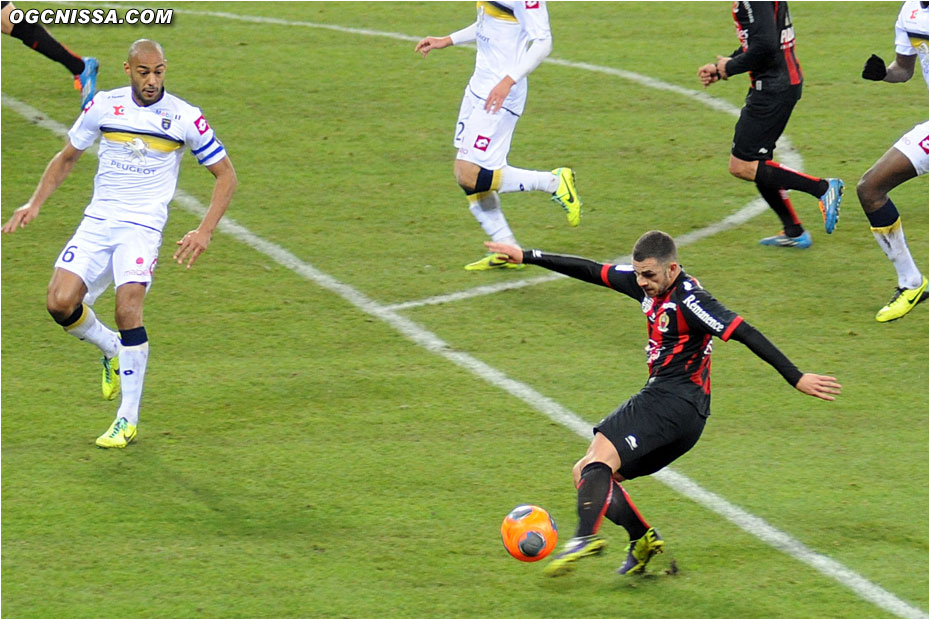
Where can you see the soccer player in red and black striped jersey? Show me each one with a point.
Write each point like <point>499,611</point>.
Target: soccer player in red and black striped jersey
<point>766,51</point>
<point>664,419</point>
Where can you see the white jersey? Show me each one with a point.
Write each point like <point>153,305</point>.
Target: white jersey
<point>504,32</point>
<point>911,32</point>
<point>140,153</point>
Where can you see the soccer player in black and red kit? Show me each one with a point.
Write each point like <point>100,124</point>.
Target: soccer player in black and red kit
<point>665,419</point>
<point>766,51</point>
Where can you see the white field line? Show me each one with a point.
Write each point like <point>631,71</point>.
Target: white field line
<point>418,334</point>
<point>786,150</point>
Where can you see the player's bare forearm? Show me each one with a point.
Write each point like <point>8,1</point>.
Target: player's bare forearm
<point>195,243</point>
<point>902,69</point>
<point>512,252</point>
<point>425,46</point>
<point>821,386</point>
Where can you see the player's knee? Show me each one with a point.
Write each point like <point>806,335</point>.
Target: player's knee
<point>742,170</point>
<point>466,175</point>
<point>61,307</point>
<point>871,197</point>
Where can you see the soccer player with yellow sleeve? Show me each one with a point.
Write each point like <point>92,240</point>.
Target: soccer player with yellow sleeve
<point>512,39</point>
<point>143,131</point>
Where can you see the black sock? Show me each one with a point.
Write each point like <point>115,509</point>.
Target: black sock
<point>38,38</point>
<point>782,207</point>
<point>593,497</point>
<point>622,512</point>
<point>772,174</point>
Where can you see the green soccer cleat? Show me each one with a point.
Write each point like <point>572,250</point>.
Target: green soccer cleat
<point>110,380</point>
<point>119,435</point>
<point>574,550</point>
<point>493,261</point>
<point>903,301</point>
<point>639,552</point>
<point>567,196</point>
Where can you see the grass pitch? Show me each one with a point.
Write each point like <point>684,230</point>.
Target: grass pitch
<point>299,457</point>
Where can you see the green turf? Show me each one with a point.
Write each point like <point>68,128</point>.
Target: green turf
<point>298,457</point>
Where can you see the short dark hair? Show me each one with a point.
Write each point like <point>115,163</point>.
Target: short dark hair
<point>655,244</point>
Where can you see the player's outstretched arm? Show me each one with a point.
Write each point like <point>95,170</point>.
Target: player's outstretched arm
<point>821,386</point>
<point>55,173</point>
<point>512,252</point>
<point>427,45</point>
<point>195,243</point>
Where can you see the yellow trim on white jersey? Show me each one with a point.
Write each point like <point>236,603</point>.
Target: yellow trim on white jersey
<point>154,142</point>
<point>491,9</point>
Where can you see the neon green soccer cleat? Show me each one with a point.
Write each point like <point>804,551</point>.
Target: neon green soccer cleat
<point>903,301</point>
<point>574,550</point>
<point>567,196</point>
<point>119,435</point>
<point>110,380</point>
<point>493,261</point>
<point>639,552</point>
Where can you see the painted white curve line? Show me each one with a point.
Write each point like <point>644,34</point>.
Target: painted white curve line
<point>788,154</point>
<point>749,523</point>
<point>753,525</point>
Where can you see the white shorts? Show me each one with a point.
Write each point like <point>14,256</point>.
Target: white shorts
<point>104,252</point>
<point>914,145</point>
<point>481,137</point>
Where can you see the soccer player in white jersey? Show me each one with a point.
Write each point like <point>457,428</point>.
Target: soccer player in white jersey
<point>512,39</point>
<point>905,160</point>
<point>143,131</point>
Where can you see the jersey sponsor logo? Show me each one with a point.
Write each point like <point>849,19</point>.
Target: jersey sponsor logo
<point>631,441</point>
<point>653,351</point>
<point>202,125</point>
<point>482,143</point>
<point>119,110</point>
<point>132,168</point>
<point>531,5</point>
<point>706,317</point>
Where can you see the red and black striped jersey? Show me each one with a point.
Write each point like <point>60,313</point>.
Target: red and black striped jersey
<point>766,50</point>
<point>680,325</point>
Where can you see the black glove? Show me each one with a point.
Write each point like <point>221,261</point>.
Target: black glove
<point>874,69</point>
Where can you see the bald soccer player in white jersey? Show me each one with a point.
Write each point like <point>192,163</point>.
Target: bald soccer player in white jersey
<point>512,39</point>
<point>143,133</point>
<point>908,158</point>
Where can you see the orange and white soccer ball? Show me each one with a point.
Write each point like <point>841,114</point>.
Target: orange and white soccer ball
<point>529,533</point>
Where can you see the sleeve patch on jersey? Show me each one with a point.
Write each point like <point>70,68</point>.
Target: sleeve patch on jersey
<point>202,125</point>
<point>531,4</point>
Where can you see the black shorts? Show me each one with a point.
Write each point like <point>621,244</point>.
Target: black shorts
<point>650,430</point>
<point>761,122</point>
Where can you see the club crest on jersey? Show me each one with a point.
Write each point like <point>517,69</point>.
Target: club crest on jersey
<point>166,123</point>
<point>662,325</point>
<point>482,143</point>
